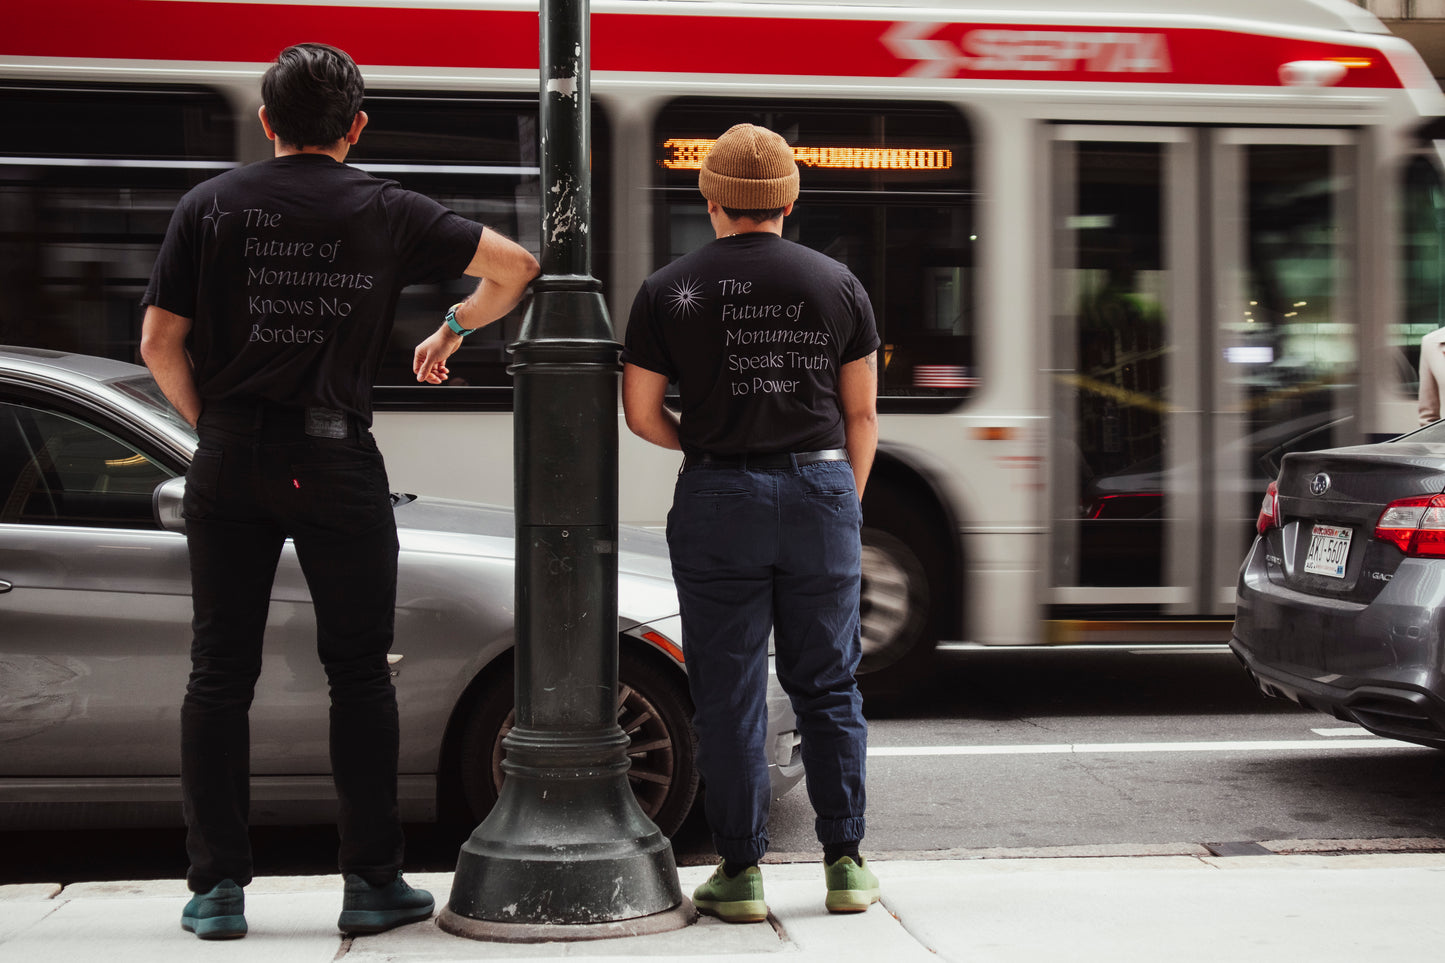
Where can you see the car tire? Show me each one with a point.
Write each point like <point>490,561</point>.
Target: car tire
<point>655,711</point>
<point>901,559</point>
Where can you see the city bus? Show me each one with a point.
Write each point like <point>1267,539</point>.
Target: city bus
<point>1123,254</point>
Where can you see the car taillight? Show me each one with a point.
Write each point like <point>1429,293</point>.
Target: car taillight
<point>1268,510</point>
<point>1416,526</point>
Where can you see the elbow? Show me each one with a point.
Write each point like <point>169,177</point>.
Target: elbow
<point>861,420</point>
<point>526,268</point>
<point>634,422</point>
<point>150,347</point>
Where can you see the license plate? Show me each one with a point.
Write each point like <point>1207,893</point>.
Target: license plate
<point>1329,547</point>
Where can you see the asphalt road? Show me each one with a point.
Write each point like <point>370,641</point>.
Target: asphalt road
<point>1119,749</point>
<point>1123,748</point>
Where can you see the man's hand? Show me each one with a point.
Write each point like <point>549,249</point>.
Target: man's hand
<point>428,362</point>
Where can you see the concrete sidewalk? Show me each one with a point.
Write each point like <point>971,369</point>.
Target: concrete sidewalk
<point>1182,907</point>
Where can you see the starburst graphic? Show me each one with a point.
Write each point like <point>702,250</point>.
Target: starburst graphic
<point>215,214</point>
<point>685,298</point>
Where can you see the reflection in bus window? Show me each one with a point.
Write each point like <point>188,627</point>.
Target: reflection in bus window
<point>887,189</point>
<point>1422,268</point>
<point>479,156</point>
<point>1116,289</point>
<point>89,176</point>
<point>1292,346</point>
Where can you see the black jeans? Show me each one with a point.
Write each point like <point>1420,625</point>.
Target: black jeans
<point>257,479</point>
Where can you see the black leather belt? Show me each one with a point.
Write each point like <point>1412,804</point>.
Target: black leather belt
<point>765,461</point>
<point>274,422</point>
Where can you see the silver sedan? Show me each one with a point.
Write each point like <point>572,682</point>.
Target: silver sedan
<point>95,617</point>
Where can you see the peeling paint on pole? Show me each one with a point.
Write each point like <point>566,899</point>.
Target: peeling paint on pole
<point>563,87</point>
<point>563,211</point>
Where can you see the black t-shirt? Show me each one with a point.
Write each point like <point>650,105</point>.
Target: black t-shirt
<point>290,270</point>
<point>754,329</point>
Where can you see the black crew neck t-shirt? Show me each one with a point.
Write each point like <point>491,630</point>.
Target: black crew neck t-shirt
<point>290,270</point>
<point>754,329</point>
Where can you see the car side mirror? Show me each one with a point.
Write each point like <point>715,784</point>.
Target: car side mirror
<point>166,504</point>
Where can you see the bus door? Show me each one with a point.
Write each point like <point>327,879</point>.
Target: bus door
<point>1201,325</point>
<point>1286,321</point>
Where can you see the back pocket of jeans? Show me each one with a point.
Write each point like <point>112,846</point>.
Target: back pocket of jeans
<point>203,481</point>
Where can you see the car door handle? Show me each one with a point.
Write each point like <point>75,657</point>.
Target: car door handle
<point>6,586</point>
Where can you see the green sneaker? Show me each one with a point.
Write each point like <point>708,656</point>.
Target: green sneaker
<point>852,887</point>
<point>217,915</point>
<point>736,900</point>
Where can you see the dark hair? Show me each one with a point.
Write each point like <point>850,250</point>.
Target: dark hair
<point>765,214</point>
<point>312,94</point>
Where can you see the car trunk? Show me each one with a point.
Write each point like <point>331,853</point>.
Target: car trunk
<point>1329,505</point>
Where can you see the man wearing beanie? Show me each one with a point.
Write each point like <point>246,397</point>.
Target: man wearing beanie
<point>773,348</point>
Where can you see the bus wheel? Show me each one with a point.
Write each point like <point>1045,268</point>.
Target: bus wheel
<point>898,636</point>
<point>653,708</point>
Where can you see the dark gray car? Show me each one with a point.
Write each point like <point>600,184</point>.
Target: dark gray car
<point>95,631</point>
<point>1341,596</point>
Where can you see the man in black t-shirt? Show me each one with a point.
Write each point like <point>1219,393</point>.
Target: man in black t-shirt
<point>266,316</point>
<point>773,348</point>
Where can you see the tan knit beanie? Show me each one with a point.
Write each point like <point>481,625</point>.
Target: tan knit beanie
<point>749,168</point>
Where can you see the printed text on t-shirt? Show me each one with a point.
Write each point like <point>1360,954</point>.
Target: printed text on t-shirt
<point>293,293</point>
<point>765,359</point>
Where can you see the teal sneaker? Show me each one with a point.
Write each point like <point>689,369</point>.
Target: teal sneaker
<point>217,915</point>
<point>735,900</point>
<point>852,887</point>
<point>375,909</point>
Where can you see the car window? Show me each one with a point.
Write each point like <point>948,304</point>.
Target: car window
<point>59,470</point>
<point>143,388</point>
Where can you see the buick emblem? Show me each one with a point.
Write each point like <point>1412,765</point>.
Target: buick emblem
<point>1319,484</point>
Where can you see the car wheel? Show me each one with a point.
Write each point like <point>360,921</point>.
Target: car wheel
<point>898,634</point>
<point>653,708</point>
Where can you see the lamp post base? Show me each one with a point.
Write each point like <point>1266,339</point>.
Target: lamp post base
<point>566,852</point>
<point>676,918</point>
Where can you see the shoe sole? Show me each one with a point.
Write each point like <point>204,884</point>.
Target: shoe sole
<point>734,911</point>
<point>215,927</point>
<point>850,900</point>
<point>365,922</point>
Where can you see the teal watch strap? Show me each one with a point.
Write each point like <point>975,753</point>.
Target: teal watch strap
<point>452,322</point>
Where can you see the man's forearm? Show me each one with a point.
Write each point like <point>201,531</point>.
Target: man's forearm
<point>489,302</point>
<point>163,348</point>
<point>660,429</point>
<point>644,397</point>
<point>861,433</point>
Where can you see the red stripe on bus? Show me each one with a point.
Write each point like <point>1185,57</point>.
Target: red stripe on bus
<point>255,33</point>
<point>678,44</point>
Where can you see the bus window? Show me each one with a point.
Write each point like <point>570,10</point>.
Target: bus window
<point>887,189</point>
<point>479,156</point>
<point>1290,354</point>
<point>89,176</point>
<point>1422,268</point>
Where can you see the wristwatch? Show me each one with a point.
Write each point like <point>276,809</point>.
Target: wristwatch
<point>452,321</point>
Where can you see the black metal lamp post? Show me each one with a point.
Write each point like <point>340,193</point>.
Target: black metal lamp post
<point>566,853</point>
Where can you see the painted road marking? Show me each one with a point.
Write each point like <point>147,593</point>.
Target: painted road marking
<point>1276,745</point>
